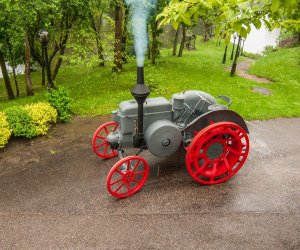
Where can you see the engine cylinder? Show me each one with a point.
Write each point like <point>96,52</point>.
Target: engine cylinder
<point>163,138</point>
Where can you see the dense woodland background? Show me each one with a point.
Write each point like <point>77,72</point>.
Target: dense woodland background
<point>97,31</point>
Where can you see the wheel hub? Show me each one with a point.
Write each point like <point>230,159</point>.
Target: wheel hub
<point>128,177</point>
<point>215,150</point>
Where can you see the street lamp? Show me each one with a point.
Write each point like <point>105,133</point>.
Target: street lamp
<point>231,57</point>
<point>224,57</point>
<point>44,39</point>
<point>233,68</point>
<point>242,50</point>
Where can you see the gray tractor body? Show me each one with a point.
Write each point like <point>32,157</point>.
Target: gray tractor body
<point>167,125</point>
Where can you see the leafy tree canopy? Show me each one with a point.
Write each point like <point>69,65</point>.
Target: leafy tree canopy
<point>232,16</point>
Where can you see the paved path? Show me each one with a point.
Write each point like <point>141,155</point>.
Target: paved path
<point>53,195</point>
<point>242,70</point>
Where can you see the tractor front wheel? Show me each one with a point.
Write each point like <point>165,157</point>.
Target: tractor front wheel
<point>127,176</point>
<point>217,153</point>
<point>99,142</point>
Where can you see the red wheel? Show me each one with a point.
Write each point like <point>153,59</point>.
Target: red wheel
<point>99,142</point>
<point>127,176</point>
<point>217,153</point>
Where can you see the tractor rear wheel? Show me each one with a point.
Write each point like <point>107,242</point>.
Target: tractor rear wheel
<point>217,153</point>
<point>99,141</point>
<point>127,176</point>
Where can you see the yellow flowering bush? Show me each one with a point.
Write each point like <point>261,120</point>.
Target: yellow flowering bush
<point>42,115</point>
<point>5,131</point>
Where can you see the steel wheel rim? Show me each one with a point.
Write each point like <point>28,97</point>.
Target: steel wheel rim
<point>127,176</point>
<point>213,168</point>
<point>99,143</point>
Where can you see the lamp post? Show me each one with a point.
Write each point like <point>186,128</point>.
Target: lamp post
<point>242,50</point>
<point>224,57</point>
<point>233,68</point>
<point>44,39</point>
<point>231,57</point>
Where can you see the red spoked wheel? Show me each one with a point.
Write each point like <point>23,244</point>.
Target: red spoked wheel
<point>99,142</point>
<point>127,176</point>
<point>217,153</point>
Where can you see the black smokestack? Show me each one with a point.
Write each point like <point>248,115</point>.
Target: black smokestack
<point>140,92</point>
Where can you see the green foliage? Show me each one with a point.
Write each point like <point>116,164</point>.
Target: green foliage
<point>20,122</point>
<point>232,16</point>
<point>251,55</point>
<point>269,49</point>
<point>28,121</point>
<point>5,131</point>
<point>60,100</point>
<point>97,91</point>
<point>42,115</point>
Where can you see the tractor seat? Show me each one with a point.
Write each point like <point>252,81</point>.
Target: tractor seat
<point>218,106</point>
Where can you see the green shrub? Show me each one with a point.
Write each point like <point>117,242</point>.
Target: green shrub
<point>5,131</point>
<point>60,100</point>
<point>42,115</point>
<point>20,122</point>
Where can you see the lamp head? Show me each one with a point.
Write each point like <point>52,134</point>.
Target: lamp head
<point>44,36</point>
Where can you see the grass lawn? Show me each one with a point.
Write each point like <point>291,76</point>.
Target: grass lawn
<point>98,91</point>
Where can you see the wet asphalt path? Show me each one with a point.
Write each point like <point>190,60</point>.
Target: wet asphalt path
<point>53,195</point>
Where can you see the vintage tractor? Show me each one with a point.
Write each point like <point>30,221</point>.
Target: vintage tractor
<point>215,138</point>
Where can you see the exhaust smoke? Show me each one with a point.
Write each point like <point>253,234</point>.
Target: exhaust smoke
<point>139,12</point>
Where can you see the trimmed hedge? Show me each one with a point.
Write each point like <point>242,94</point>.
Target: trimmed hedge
<point>20,122</point>
<point>5,131</point>
<point>42,115</point>
<point>60,100</point>
<point>29,121</point>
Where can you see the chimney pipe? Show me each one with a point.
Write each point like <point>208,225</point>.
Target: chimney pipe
<point>140,92</point>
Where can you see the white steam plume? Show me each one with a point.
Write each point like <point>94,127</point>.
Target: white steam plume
<point>139,12</point>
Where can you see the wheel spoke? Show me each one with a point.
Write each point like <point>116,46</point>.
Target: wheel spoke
<point>119,187</point>
<point>128,166</point>
<point>213,172</point>
<point>100,145</point>
<point>141,172</point>
<point>199,170</point>
<point>119,172</point>
<point>128,187</point>
<point>101,137</point>
<point>106,131</point>
<point>116,126</point>
<point>235,152</point>
<point>105,150</point>
<point>136,181</point>
<point>136,165</point>
<point>116,181</point>
<point>227,165</point>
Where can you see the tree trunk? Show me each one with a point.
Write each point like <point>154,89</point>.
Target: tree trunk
<point>43,69</point>
<point>61,53</point>
<point>9,89</point>
<point>182,41</point>
<point>97,29</point>
<point>175,42</point>
<point>15,79</point>
<point>125,34</point>
<point>12,59</point>
<point>100,51</point>
<point>118,39</point>
<point>27,67</point>
<point>206,31</point>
